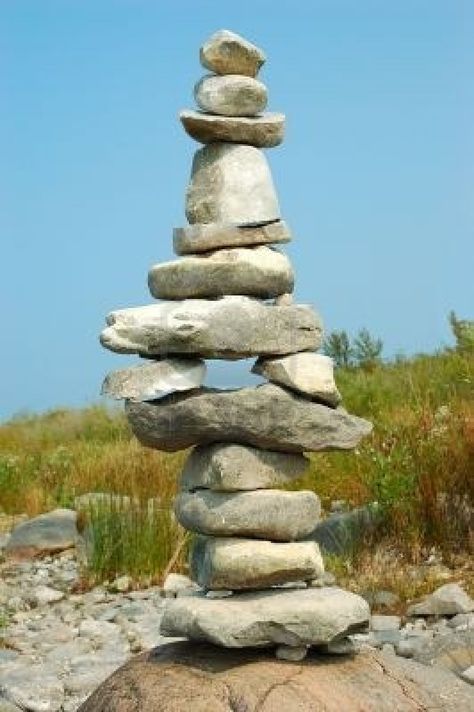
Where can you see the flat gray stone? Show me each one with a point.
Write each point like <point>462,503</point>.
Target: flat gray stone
<point>307,373</point>
<point>447,600</point>
<point>227,52</point>
<point>229,467</point>
<point>264,514</point>
<point>265,131</point>
<point>239,564</point>
<point>231,183</point>
<point>204,238</point>
<point>231,95</point>
<point>154,379</point>
<point>285,617</point>
<point>230,328</point>
<point>256,272</point>
<point>267,417</point>
<point>46,534</point>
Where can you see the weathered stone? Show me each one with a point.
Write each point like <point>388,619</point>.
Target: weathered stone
<point>307,373</point>
<point>445,601</point>
<point>231,95</point>
<point>46,534</point>
<point>258,272</point>
<point>178,583</point>
<point>230,328</point>
<point>291,653</point>
<point>231,183</point>
<point>264,514</point>
<point>267,417</point>
<point>265,131</point>
<point>204,238</point>
<point>226,52</point>
<point>238,564</point>
<point>228,467</point>
<point>44,595</point>
<point>284,617</point>
<point>155,379</point>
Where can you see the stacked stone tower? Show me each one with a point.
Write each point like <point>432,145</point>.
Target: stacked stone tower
<point>229,297</point>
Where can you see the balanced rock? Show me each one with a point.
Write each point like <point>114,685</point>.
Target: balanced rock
<point>226,52</point>
<point>291,617</point>
<point>265,131</point>
<point>307,373</point>
<point>258,272</point>
<point>229,467</point>
<point>231,95</point>
<point>267,417</point>
<point>264,514</point>
<point>239,564</point>
<point>205,238</point>
<point>155,379</point>
<point>231,184</point>
<point>230,328</point>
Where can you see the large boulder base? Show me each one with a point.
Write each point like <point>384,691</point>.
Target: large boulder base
<point>48,533</point>
<point>227,52</point>
<point>215,236</point>
<point>265,131</point>
<point>228,328</point>
<point>231,183</point>
<point>264,514</point>
<point>267,417</point>
<point>154,379</point>
<point>256,272</point>
<point>231,95</point>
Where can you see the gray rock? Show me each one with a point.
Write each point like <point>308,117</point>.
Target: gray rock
<point>307,373</point>
<point>265,131</point>
<point>176,583</point>
<point>284,300</point>
<point>445,601</point>
<point>468,675</point>
<point>293,654</point>
<point>231,95</point>
<point>226,52</point>
<point>48,533</point>
<point>464,621</point>
<point>383,623</point>
<point>203,238</point>
<point>258,272</point>
<point>266,417</point>
<point>341,533</point>
<point>238,564</point>
<point>228,467</point>
<point>32,688</point>
<point>296,618</point>
<point>264,514</point>
<point>229,328</point>
<point>44,595</point>
<point>231,183</point>
<point>155,379</point>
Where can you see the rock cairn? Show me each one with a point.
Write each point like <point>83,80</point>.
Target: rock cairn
<point>228,296</point>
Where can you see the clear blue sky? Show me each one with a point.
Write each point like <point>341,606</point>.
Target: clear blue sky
<point>375,177</point>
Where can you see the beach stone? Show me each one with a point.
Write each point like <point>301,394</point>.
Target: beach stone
<point>226,52</point>
<point>231,184</point>
<point>231,95</point>
<point>230,328</point>
<point>264,514</point>
<point>259,272</point>
<point>448,600</point>
<point>307,373</point>
<point>267,417</point>
<point>295,617</point>
<point>204,238</point>
<point>47,533</point>
<point>237,564</point>
<point>229,467</point>
<point>154,379</point>
<point>265,131</point>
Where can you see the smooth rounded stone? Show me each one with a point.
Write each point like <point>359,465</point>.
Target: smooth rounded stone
<point>155,379</point>
<point>447,600</point>
<point>205,238</point>
<point>239,564</point>
<point>267,417</point>
<point>229,467</point>
<point>265,131</point>
<point>45,534</point>
<point>229,328</point>
<point>307,373</point>
<point>264,514</point>
<point>294,617</point>
<point>231,95</point>
<point>293,654</point>
<point>226,52</point>
<point>257,272</point>
<point>231,184</point>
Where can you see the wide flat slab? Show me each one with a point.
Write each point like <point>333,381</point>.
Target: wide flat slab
<point>214,236</point>
<point>265,131</point>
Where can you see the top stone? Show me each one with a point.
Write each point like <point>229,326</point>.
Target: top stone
<point>226,52</point>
